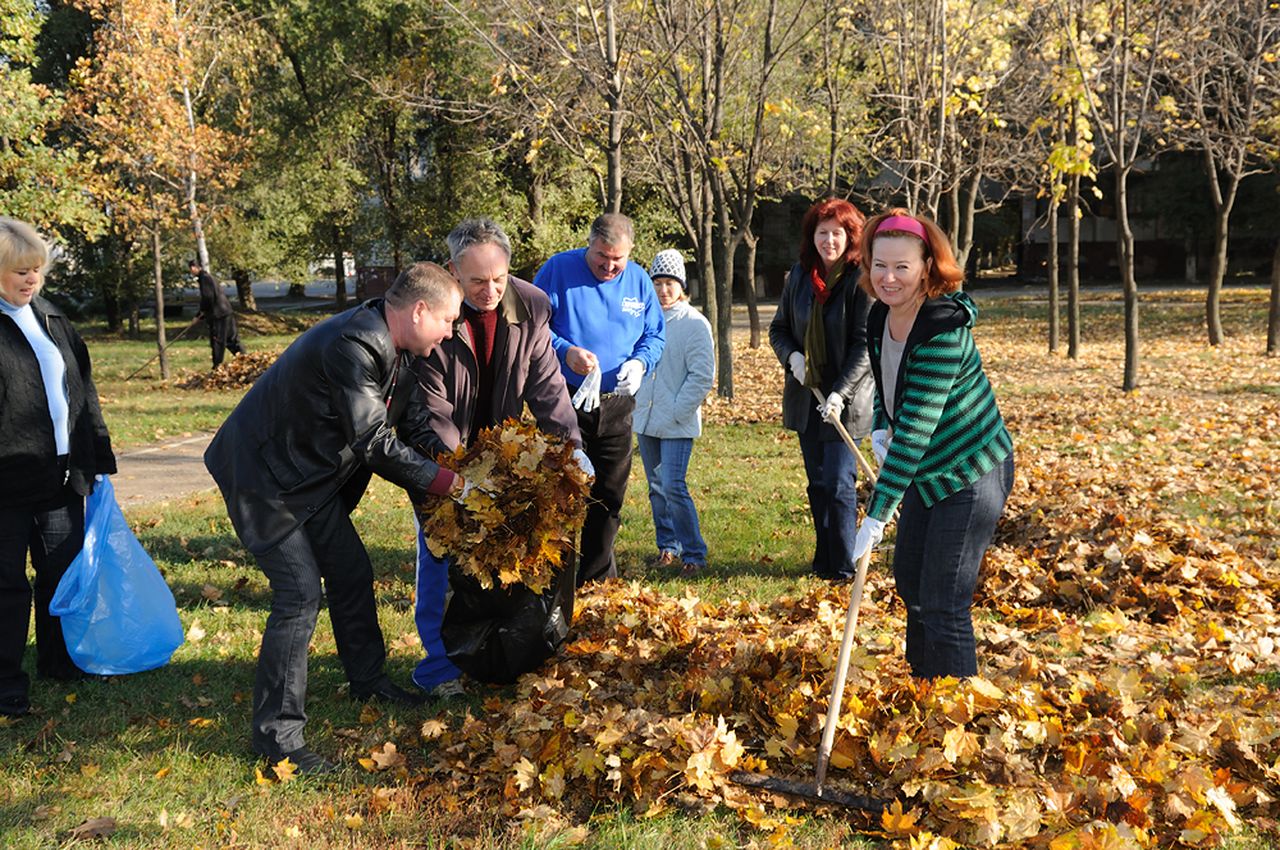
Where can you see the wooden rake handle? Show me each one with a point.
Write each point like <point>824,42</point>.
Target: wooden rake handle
<point>863,466</point>
<point>842,667</point>
<point>850,621</point>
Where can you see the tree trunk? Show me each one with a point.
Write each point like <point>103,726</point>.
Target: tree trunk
<point>1190,269</point>
<point>750,241</point>
<point>339,269</point>
<point>193,209</point>
<point>1124,242</point>
<point>536,195</point>
<point>1053,274</point>
<point>244,290</point>
<point>1273,315</point>
<point>297,290</point>
<point>964,208</point>
<point>1218,268</point>
<point>158,272</point>
<point>111,307</point>
<point>726,246</point>
<point>1073,267</point>
<point>613,149</point>
<point>707,262</point>
<point>134,330</point>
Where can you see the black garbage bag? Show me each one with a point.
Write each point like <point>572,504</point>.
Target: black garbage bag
<point>497,635</point>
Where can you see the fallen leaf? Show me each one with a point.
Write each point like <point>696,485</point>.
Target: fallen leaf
<point>285,770</point>
<point>94,828</point>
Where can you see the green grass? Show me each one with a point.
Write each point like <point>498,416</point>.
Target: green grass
<point>166,752</point>
<point>145,409</point>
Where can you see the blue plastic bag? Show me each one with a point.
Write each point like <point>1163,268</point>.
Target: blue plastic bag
<point>118,615</point>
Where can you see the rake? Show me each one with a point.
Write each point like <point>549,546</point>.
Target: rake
<point>817,790</point>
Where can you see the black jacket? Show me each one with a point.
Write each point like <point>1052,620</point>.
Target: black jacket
<point>29,471</point>
<point>317,424</point>
<point>213,301</point>
<point>848,365</point>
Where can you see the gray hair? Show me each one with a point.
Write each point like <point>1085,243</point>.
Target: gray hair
<point>477,231</point>
<point>21,247</point>
<point>612,229</point>
<point>426,282</point>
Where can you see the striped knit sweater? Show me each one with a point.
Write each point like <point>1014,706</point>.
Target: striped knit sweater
<point>947,430</point>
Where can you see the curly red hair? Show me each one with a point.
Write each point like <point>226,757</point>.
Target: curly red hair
<point>944,274</point>
<point>848,217</point>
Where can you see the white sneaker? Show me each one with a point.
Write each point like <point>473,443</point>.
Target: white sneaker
<point>448,690</point>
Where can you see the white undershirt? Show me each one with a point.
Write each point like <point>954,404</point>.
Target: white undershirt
<point>53,370</point>
<point>890,361</point>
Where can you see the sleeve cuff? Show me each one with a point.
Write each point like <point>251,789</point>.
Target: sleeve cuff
<point>442,484</point>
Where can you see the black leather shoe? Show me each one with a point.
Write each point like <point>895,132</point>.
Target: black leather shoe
<point>15,706</point>
<point>310,763</point>
<point>388,691</point>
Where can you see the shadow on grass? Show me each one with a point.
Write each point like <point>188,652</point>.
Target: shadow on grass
<point>200,705</point>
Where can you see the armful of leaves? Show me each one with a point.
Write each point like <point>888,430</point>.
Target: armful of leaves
<point>517,528</point>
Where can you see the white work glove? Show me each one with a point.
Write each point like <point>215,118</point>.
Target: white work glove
<point>99,478</point>
<point>795,362</point>
<point>880,440</point>
<point>587,398</point>
<point>629,377</point>
<point>832,407</point>
<point>585,462</point>
<point>469,487</point>
<point>869,534</point>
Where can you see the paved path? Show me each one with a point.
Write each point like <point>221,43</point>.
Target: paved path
<point>162,471</point>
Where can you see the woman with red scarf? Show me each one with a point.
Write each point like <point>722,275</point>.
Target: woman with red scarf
<point>820,337</point>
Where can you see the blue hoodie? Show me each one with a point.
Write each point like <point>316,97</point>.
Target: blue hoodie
<point>617,320</point>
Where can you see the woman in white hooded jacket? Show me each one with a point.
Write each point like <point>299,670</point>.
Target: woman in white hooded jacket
<point>668,416</point>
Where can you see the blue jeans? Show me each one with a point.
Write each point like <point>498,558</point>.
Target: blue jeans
<point>833,499</point>
<point>428,613</point>
<point>935,567</point>
<point>675,519</point>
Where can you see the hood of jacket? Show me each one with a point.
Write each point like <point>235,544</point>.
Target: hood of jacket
<point>937,316</point>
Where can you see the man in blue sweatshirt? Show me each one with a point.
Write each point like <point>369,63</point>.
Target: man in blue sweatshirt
<point>607,329</point>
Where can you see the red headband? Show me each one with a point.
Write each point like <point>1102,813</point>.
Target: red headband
<point>906,224</point>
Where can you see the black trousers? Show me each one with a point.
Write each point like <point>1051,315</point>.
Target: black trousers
<point>606,438</point>
<point>54,535</point>
<point>325,547</point>
<point>223,336</point>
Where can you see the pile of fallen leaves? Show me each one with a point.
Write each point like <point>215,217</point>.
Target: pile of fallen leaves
<point>238,371</point>
<point>527,502</point>
<point>1128,643</point>
<point>658,700</point>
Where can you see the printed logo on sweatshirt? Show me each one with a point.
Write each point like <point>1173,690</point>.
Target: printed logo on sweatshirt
<point>633,306</point>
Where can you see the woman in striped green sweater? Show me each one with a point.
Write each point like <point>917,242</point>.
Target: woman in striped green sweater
<point>945,454</point>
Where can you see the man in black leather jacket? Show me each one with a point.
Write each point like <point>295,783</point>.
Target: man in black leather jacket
<point>293,459</point>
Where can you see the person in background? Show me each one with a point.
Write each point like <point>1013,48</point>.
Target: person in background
<point>498,360</point>
<point>668,417</point>
<point>293,460</point>
<point>53,446</point>
<point>946,456</point>
<point>216,311</point>
<point>819,334</point>
<point>607,330</point>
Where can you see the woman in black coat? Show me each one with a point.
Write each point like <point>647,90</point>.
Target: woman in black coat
<point>819,335</point>
<point>53,442</point>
